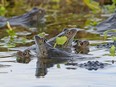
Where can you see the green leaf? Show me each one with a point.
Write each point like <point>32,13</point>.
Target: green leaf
<point>11,33</point>
<point>60,40</point>
<point>56,1</point>
<point>114,1</point>
<point>105,35</point>
<point>113,38</point>
<point>94,6</point>
<point>2,10</point>
<point>43,34</point>
<point>112,50</point>
<point>11,45</point>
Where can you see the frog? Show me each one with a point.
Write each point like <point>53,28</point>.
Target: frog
<point>82,46</point>
<point>28,20</point>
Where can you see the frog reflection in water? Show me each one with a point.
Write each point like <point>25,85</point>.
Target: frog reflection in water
<point>43,64</point>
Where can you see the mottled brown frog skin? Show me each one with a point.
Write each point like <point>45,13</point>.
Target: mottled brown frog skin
<point>41,47</point>
<point>82,47</point>
<point>45,50</point>
<point>23,57</point>
<point>69,33</point>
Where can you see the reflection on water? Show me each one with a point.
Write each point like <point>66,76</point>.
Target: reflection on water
<point>27,74</point>
<point>43,64</point>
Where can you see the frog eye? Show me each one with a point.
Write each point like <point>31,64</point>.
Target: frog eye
<point>45,40</point>
<point>68,33</point>
<point>24,53</point>
<point>81,43</point>
<point>65,29</point>
<point>86,42</point>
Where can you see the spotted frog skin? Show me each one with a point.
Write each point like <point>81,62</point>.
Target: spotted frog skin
<point>46,50</point>
<point>23,56</point>
<point>69,33</point>
<point>82,47</point>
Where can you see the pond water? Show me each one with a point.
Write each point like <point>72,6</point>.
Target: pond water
<point>52,73</point>
<point>56,74</point>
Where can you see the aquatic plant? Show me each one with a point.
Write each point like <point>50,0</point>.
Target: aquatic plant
<point>12,36</point>
<point>112,50</point>
<point>43,34</point>
<point>110,8</point>
<point>91,21</point>
<point>58,66</point>
<point>94,6</point>
<point>60,40</point>
<point>105,35</point>
<point>114,38</point>
<point>2,10</point>
<point>12,39</point>
<point>11,32</point>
